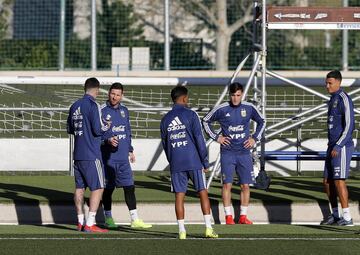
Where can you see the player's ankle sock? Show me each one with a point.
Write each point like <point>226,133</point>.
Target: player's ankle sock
<point>133,214</point>
<point>108,214</point>
<point>91,219</point>
<point>181,224</point>
<point>243,210</point>
<point>207,219</point>
<point>227,210</point>
<point>346,214</point>
<point>335,212</point>
<point>81,218</point>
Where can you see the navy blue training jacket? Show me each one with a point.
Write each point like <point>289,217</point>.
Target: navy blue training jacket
<point>183,140</point>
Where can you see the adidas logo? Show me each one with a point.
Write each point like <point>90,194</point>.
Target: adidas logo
<point>77,114</point>
<point>175,125</point>
<point>227,115</point>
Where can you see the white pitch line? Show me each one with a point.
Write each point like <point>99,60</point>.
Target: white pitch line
<point>192,238</point>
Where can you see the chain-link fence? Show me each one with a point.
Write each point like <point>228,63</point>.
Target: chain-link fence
<point>130,35</point>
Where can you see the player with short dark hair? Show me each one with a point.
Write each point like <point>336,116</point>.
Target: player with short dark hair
<point>85,123</point>
<point>185,149</point>
<point>236,142</point>
<point>341,124</point>
<point>117,151</point>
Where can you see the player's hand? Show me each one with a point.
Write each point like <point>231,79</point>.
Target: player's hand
<point>223,140</point>
<point>249,143</point>
<point>334,153</point>
<point>113,141</point>
<point>132,157</point>
<point>205,170</point>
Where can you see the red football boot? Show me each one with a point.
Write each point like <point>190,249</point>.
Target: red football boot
<point>244,220</point>
<point>229,220</point>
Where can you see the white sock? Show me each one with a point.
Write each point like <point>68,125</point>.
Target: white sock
<point>346,214</point>
<point>335,212</point>
<point>243,210</point>
<point>81,218</point>
<point>91,219</point>
<point>227,210</point>
<point>181,224</point>
<point>207,219</point>
<point>133,214</point>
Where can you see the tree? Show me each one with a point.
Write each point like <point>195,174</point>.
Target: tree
<point>117,26</point>
<point>4,14</point>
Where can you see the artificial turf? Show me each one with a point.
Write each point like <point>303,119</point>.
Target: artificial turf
<point>156,189</point>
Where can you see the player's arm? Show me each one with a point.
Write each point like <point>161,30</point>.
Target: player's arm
<point>260,127</point>
<point>97,125</point>
<point>200,141</point>
<point>69,124</point>
<point>129,136</point>
<point>347,110</point>
<point>164,142</point>
<point>208,120</point>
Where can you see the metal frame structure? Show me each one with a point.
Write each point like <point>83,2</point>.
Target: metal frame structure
<point>287,18</point>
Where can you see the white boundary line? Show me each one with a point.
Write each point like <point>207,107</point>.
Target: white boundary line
<point>192,238</point>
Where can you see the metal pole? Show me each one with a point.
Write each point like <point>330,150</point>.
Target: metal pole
<point>167,36</point>
<point>93,35</point>
<point>345,44</point>
<point>263,76</point>
<point>62,36</point>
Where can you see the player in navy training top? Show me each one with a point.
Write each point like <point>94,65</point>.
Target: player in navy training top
<point>341,124</point>
<point>117,151</point>
<point>236,142</point>
<point>85,123</point>
<point>185,149</point>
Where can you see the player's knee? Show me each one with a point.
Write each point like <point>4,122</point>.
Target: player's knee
<point>244,187</point>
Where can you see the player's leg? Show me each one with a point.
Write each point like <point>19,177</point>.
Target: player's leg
<point>124,178</point>
<point>107,206</point>
<point>110,169</point>
<point>343,164</point>
<point>179,181</point>
<point>245,172</point>
<point>80,185</point>
<point>330,190</point>
<point>198,179</point>
<point>95,179</point>
<point>227,170</point>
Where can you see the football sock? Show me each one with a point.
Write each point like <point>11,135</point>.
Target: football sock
<point>243,210</point>
<point>207,219</point>
<point>91,219</point>
<point>181,224</point>
<point>133,215</point>
<point>108,214</point>
<point>81,218</point>
<point>227,210</point>
<point>335,212</point>
<point>346,214</point>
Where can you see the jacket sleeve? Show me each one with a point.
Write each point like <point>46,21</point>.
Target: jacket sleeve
<point>69,125</point>
<point>347,110</point>
<point>200,140</point>
<point>97,126</point>
<point>164,142</point>
<point>207,121</point>
<point>108,133</point>
<point>260,123</point>
<point>128,131</point>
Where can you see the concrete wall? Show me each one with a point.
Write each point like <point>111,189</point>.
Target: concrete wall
<point>53,154</point>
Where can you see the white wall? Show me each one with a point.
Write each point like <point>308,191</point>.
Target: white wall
<point>53,154</point>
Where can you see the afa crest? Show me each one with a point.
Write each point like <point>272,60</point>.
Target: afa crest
<point>335,103</point>
<point>122,113</point>
<point>243,113</point>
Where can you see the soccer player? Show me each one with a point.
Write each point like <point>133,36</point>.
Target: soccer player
<point>236,142</point>
<point>85,123</point>
<point>340,148</point>
<point>116,152</point>
<point>185,149</point>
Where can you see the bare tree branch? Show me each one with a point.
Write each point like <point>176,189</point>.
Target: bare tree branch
<point>208,12</point>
